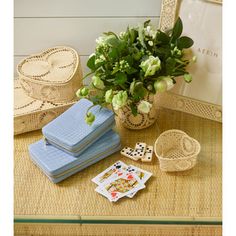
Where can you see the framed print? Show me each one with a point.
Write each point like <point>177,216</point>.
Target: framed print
<point>202,20</point>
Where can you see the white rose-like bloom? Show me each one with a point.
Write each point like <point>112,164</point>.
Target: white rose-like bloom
<point>169,82</point>
<point>151,65</point>
<point>119,100</point>
<point>144,107</point>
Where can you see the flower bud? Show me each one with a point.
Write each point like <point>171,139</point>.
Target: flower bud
<point>168,80</point>
<point>150,87</point>
<point>188,78</point>
<point>160,86</point>
<point>90,118</point>
<point>150,43</point>
<point>82,92</point>
<point>109,96</point>
<point>97,82</point>
<point>194,59</point>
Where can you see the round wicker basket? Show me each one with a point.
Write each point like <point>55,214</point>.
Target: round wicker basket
<point>176,151</point>
<point>53,75</point>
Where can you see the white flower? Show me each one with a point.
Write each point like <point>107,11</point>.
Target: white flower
<point>169,82</point>
<point>148,31</point>
<point>150,43</point>
<point>122,35</point>
<point>144,107</point>
<point>119,100</point>
<point>151,65</point>
<point>100,40</point>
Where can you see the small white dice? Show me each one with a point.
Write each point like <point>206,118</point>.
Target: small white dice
<point>130,153</point>
<point>148,154</point>
<point>140,149</point>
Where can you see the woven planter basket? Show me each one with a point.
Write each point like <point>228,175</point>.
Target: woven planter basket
<point>53,75</point>
<point>141,120</point>
<point>31,114</point>
<point>176,150</point>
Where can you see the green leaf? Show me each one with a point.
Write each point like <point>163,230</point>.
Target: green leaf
<point>129,59</point>
<point>133,35</point>
<point>113,41</point>
<point>120,79</point>
<point>134,109</point>
<point>137,90</point>
<point>184,42</point>
<point>113,53</point>
<point>146,23</point>
<point>130,70</point>
<point>141,36</point>
<point>110,33</point>
<point>162,37</point>
<point>177,30</point>
<point>91,63</point>
<point>170,65</point>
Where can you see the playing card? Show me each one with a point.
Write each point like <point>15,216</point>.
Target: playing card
<point>113,171</point>
<point>143,175</point>
<point>121,186</point>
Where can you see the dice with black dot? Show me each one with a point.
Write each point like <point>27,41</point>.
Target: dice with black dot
<point>130,153</point>
<point>148,154</point>
<point>140,149</point>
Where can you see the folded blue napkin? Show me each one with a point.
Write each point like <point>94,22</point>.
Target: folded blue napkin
<point>69,131</point>
<point>58,165</point>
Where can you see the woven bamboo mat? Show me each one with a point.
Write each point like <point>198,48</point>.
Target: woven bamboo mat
<point>194,193</point>
<point>114,230</point>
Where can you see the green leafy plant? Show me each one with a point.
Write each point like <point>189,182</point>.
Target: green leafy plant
<point>129,66</point>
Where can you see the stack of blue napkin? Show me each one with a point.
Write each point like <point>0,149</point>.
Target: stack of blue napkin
<point>71,145</point>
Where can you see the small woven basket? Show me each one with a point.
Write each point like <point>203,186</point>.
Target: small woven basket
<point>176,150</point>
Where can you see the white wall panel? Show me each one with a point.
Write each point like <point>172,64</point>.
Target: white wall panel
<point>34,34</point>
<point>40,24</point>
<point>82,8</point>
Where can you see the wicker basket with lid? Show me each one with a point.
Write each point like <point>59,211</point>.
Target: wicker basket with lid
<point>53,75</point>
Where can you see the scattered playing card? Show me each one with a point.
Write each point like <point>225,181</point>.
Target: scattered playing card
<point>143,175</point>
<point>115,170</point>
<point>121,186</point>
<point>120,180</point>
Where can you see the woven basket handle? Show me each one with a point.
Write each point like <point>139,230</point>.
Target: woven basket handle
<point>187,145</point>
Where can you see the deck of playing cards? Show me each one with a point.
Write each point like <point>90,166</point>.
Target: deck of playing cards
<point>120,180</point>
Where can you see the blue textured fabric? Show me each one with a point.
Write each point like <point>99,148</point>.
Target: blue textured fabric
<point>70,132</point>
<point>58,165</point>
